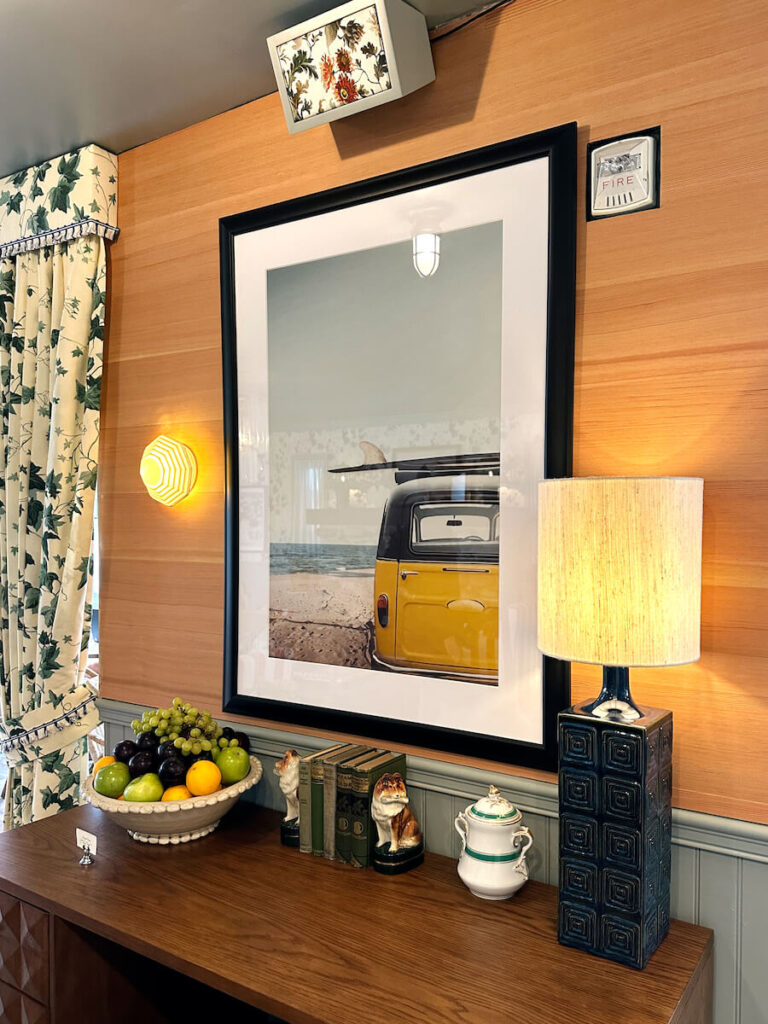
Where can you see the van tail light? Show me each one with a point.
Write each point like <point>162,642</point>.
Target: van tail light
<point>382,609</point>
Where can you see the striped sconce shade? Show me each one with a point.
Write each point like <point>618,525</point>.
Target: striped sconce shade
<point>168,469</point>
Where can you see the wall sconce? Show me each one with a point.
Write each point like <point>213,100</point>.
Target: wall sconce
<point>426,254</point>
<point>168,469</point>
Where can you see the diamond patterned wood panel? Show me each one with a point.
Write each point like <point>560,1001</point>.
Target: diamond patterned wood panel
<point>16,1008</point>
<point>24,947</point>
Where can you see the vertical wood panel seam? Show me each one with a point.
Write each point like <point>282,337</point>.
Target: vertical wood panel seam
<point>697,887</point>
<point>739,930</point>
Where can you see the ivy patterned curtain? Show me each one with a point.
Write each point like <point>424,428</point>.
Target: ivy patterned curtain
<point>52,306</point>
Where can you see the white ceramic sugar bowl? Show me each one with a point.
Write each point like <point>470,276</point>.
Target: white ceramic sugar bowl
<point>493,847</point>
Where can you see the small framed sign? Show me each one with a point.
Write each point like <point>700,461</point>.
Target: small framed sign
<point>624,174</point>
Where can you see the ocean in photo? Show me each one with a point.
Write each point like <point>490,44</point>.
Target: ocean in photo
<point>322,559</point>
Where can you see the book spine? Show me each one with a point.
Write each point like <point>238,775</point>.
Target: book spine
<point>363,831</point>
<point>316,798</point>
<point>343,818</point>
<point>305,807</point>
<point>329,811</point>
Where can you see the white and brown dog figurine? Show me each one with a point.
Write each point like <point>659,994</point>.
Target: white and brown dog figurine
<point>395,821</point>
<point>287,768</point>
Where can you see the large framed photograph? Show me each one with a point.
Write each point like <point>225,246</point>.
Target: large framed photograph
<point>398,377</point>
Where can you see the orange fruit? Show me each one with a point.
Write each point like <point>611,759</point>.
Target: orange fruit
<point>102,763</point>
<point>203,778</point>
<point>121,797</point>
<point>176,793</point>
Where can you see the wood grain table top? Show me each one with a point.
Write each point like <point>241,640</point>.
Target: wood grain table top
<point>316,942</point>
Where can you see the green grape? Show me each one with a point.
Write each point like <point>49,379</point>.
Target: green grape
<point>146,727</point>
<point>165,713</point>
<point>189,720</point>
<point>194,733</point>
<point>153,721</point>
<point>185,708</point>
<point>136,724</point>
<point>223,742</point>
<point>234,743</point>
<point>177,702</point>
<point>146,715</point>
<point>194,712</point>
<point>196,748</point>
<point>186,746</point>
<point>178,743</point>
<point>173,735</point>
<point>206,744</point>
<point>219,731</point>
<point>161,729</point>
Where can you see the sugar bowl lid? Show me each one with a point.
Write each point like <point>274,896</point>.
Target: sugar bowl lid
<point>494,807</point>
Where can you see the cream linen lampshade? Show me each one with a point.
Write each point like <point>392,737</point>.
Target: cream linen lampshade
<point>620,569</point>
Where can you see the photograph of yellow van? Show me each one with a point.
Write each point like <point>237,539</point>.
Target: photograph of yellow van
<point>436,582</point>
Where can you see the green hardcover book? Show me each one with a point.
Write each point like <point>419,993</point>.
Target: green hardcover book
<point>305,796</point>
<point>344,804</point>
<point>363,778</point>
<point>330,772</point>
<point>317,779</point>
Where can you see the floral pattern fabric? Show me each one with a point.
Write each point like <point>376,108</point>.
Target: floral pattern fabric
<point>52,304</point>
<point>334,65</point>
<point>72,194</point>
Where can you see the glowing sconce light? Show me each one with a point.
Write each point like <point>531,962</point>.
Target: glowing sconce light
<point>168,469</point>
<point>426,254</point>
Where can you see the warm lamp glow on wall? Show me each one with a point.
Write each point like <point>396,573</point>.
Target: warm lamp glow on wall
<point>168,469</point>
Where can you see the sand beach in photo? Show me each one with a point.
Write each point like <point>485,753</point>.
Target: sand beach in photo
<point>325,618</point>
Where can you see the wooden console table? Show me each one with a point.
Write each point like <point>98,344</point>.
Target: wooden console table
<point>157,934</point>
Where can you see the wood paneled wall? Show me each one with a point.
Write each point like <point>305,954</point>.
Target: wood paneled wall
<point>671,342</point>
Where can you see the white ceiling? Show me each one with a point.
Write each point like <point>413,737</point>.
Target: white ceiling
<point>122,72</point>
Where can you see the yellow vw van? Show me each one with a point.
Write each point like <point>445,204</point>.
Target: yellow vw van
<point>437,578</point>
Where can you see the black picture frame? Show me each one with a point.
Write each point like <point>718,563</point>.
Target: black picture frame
<point>559,145</point>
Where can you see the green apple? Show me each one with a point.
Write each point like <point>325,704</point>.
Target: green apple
<point>112,779</point>
<point>234,764</point>
<point>144,789</point>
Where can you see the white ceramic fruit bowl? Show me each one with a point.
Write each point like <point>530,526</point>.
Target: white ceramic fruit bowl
<point>173,821</point>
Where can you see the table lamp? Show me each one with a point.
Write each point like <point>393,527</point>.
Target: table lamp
<point>619,586</point>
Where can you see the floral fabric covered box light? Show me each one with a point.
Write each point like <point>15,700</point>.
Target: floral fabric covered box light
<point>351,58</point>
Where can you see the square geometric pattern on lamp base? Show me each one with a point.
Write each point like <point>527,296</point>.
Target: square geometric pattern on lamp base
<point>615,782</point>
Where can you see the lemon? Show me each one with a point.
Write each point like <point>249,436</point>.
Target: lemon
<point>177,793</point>
<point>102,763</point>
<point>112,779</point>
<point>203,778</point>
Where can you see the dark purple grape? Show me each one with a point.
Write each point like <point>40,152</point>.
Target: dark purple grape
<point>124,751</point>
<point>228,733</point>
<point>172,772</point>
<point>204,755</point>
<point>184,731</point>
<point>141,763</point>
<point>244,742</point>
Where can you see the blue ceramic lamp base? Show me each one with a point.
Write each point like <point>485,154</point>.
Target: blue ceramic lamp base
<point>615,781</point>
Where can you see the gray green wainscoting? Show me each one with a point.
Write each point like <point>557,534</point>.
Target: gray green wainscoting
<point>719,865</point>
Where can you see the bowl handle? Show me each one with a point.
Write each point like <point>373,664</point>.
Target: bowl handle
<point>460,824</point>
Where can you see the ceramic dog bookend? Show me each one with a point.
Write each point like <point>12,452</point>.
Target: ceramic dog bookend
<point>287,770</point>
<point>400,844</point>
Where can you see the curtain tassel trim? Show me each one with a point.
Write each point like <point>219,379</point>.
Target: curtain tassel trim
<point>79,229</point>
<point>79,718</point>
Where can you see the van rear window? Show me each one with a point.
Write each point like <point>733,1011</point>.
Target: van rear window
<point>457,529</point>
